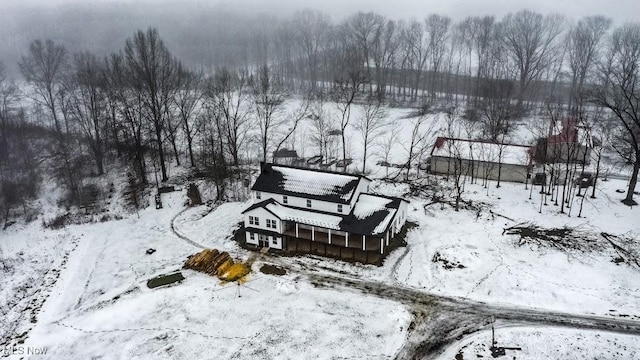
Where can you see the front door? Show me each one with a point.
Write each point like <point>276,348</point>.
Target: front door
<point>262,241</point>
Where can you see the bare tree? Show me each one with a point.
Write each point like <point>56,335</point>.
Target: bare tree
<point>384,54</point>
<point>417,52</point>
<point>531,42</point>
<point>437,28</point>
<point>369,125</point>
<point>619,91</point>
<point>153,71</point>
<point>229,92</point>
<point>321,124</point>
<point>311,31</point>
<point>365,31</point>
<point>387,143</point>
<point>268,99</point>
<point>188,103</point>
<point>293,119</point>
<point>584,43</point>
<point>456,166</point>
<point>87,105</point>
<point>345,90</point>
<point>420,132</point>
<point>127,106</point>
<point>44,68</point>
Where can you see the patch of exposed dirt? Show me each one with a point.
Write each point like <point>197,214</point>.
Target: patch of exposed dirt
<point>447,264</point>
<point>272,270</point>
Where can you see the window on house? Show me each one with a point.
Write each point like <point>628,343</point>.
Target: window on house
<point>252,236</point>
<point>285,200</point>
<point>275,241</point>
<point>258,195</point>
<point>271,223</point>
<point>308,203</point>
<point>250,220</point>
<point>268,223</point>
<point>339,207</point>
<point>256,221</point>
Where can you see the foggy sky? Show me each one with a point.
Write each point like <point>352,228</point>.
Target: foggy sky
<point>190,26</point>
<point>620,10</point>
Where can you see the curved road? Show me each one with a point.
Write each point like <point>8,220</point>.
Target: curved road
<point>441,320</point>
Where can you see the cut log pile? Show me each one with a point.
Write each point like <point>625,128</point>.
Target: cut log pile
<point>215,263</point>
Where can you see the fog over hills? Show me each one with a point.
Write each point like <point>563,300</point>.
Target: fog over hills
<point>200,35</point>
<point>209,33</point>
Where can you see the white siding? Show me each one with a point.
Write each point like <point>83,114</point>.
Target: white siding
<point>274,242</point>
<point>255,238</point>
<point>401,216</point>
<point>262,216</point>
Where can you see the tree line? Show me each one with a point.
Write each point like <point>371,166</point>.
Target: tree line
<point>141,104</point>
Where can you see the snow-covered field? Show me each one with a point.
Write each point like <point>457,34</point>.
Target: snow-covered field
<point>497,270</point>
<point>100,306</point>
<point>548,343</point>
<point>81,291</point>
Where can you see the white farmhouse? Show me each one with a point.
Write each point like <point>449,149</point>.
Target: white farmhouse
<point>321,212</point>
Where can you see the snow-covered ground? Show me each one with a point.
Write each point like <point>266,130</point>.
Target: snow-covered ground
<point>81,291</point>
<point>497,270</point>
<point>100,306</point>
<point>541,343</point>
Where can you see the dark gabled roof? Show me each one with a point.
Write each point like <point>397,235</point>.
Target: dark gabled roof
<point>262,204</point>
<point>307,183</point>
<point>285,153</point>
<point>372,214</point>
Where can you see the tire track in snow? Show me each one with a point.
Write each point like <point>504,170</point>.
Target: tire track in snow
<point>117,330</point>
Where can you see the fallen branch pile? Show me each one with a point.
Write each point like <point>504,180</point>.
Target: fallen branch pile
<point>565,239</point>
<point>627,249</point>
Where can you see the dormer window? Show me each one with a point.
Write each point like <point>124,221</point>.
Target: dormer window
<point>308,203</point>
<point>285,199</point>
<point>258,195</point>
<point>339,208</point>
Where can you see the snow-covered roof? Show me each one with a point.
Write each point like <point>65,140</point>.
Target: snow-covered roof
<point>482,151</point>
<point>307,183</point>
<point>371,215</point>
<point>369,206</point>
<point>324,220</point>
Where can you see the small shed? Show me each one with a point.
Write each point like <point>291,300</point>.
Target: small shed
<point>285,156</point>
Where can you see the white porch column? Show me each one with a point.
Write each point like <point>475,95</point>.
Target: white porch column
<point>381,245</point>
<point>329,236</point>
<point>297,230</point>
<point>346,239</point>
<point>364,243</point>
<point>387,238</point>
<point>313,233</point>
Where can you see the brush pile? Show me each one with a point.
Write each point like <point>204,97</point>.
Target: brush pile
<point>565,239</point>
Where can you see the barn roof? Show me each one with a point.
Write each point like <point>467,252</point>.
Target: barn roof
<point>479,150</point>
<point>307,183</point>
